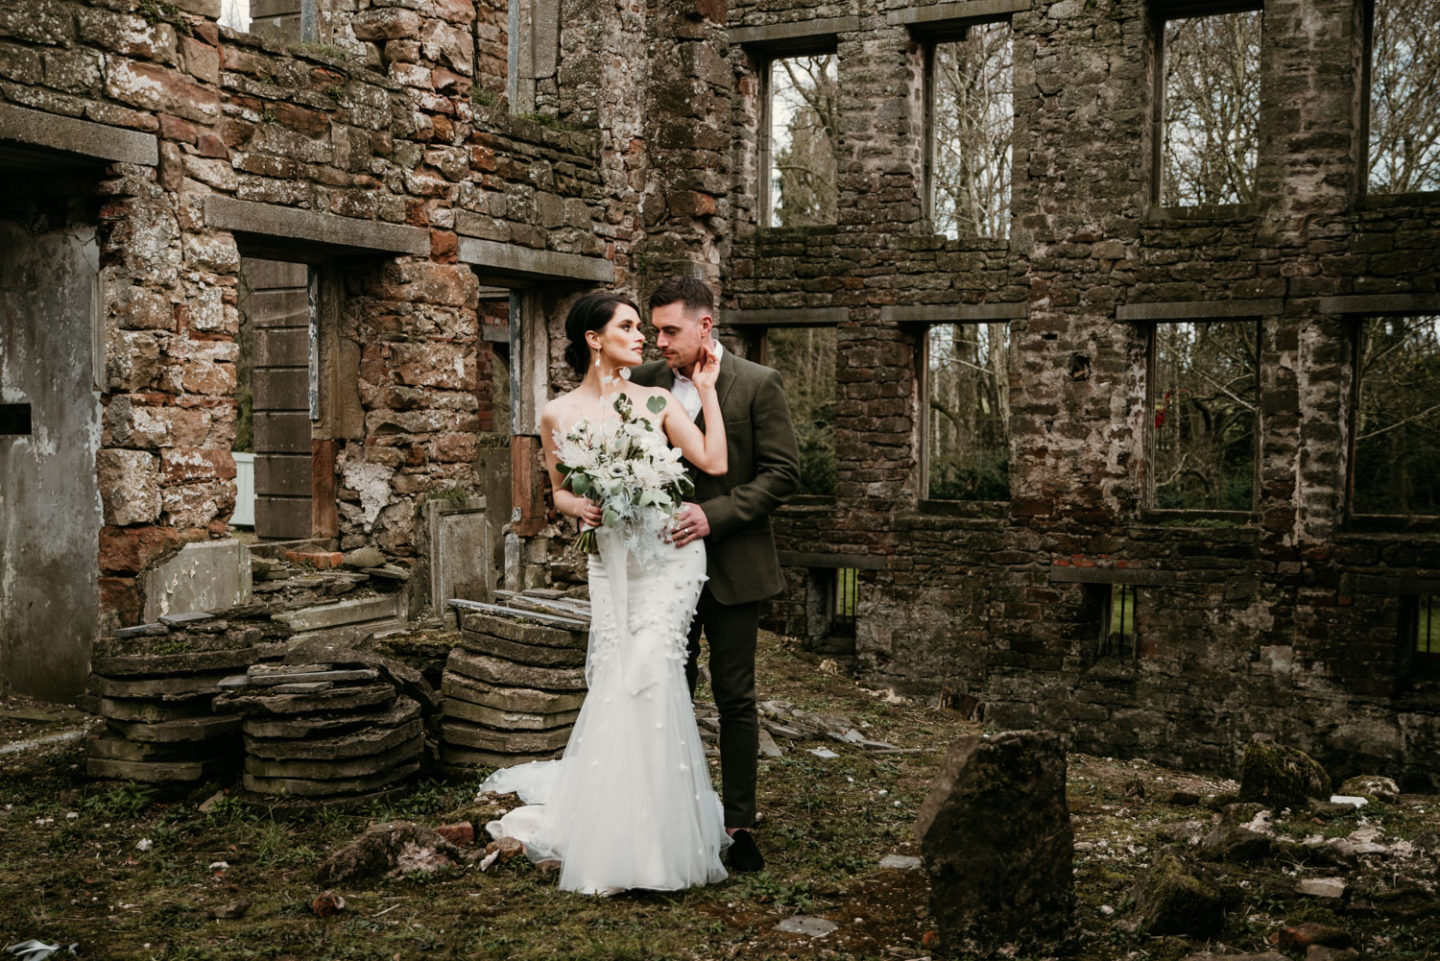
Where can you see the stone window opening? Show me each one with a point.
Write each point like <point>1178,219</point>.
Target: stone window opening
<point>282,20</point>
<point>1401,119</point>
<point>800,147</point>
<point>1112,608</point>
<point>831,598</point>
<point>1206,105</point>
<point>805,356</point>
<point>965,386</point>
<point>1420,635</point>
<point>1203,417</point>
<point>969,127</point>
<point>1395,422</point>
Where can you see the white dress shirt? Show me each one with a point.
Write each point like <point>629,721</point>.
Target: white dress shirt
<point>687,393</point>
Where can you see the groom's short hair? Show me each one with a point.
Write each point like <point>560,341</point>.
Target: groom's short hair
<point>692,291</point>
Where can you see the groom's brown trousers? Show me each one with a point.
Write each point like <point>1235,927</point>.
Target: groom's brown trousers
<point>730,632</point>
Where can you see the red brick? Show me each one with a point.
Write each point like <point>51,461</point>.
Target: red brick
<point>462,833</point>
<point>130,550</point>
<point>121,597</point>
<point>322,560</point>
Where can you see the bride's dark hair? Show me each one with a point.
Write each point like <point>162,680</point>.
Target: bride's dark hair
<point>591,312</point>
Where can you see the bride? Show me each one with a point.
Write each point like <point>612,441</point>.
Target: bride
<point>630,805</point>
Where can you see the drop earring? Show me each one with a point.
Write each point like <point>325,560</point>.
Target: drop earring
<point>597,360</point>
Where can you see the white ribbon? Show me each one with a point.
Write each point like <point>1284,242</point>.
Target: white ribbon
<point>638,661</point>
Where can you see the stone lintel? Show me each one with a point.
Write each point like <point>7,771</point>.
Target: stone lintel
<point>797,36</point>
<point>295,228</point>
<point>82,138</point>
<point>496,261</point>
<point>864,562</point>
<point>944,14</point>
<point>1136,576</point>
<point>1427,303</point>
<point>787,317</point>
<point>954,313</point>
<point>494,334</point>
<point>1201,310</point>
<point>1383,584</point>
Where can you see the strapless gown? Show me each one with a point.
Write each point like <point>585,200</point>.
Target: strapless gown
<point>630,804</point>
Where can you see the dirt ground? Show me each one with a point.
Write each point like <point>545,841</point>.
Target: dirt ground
<point>128,873</point>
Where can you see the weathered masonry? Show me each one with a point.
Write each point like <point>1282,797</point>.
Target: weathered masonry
<point>337,238</point>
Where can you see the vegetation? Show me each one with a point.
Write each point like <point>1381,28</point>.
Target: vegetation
<point>973,116</point>
<point>1397,420</point>
<point>805,358</point>
<point>1205,395</point>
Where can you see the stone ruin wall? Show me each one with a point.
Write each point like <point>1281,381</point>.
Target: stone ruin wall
<point>651,163</point>
<point>1285,625</point>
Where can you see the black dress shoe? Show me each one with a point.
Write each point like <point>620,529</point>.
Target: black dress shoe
<point>745,856</point>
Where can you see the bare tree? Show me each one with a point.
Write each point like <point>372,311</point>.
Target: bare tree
<point>805,134</point>
<point>1397,421</point>
<point>973,119</point>
<point>969,412</point>
<point>1405,96</point>
<point>805,357</point>
<point>1212,109</point>
<point>1206,394</point>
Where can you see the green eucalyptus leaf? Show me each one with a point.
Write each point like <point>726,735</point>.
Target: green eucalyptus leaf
<point>611,517</point>
<point>580,483</point>
<point>656,404</point>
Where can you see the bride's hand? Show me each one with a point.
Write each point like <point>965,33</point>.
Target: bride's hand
<point>707,368</point>
<point>589,512</point>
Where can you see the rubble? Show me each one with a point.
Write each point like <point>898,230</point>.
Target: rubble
<point>514,687</point>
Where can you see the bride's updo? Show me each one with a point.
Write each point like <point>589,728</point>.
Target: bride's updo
<point>591,312</point>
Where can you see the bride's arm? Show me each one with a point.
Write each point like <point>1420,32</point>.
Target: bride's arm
<point>566,501</point>
<point>706,450</point>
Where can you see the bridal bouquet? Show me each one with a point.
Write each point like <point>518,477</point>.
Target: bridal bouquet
<point>625,466</point>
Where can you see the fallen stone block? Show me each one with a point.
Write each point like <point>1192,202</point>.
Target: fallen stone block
<point>505,698</point>
<point>182,731</point>
<point>310,788</point>
<point>506,742</point>
<point>996,842</point>
<point>334,769</point>
<point>1322,887</point>
<point>303,727</point>
<point>1170,899</point>
<point>534,655</point>
<point>364,742</point>
<point>1281,776</point>
<point>1379,787</point>
<point>337,700</point>
<point>492,670</point>
<point>507,720</point>
<point>165,665</point>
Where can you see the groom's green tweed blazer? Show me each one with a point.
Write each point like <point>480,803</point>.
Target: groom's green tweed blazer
<point>764,472</point>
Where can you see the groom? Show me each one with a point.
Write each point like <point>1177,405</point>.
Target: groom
<point>733,516</point>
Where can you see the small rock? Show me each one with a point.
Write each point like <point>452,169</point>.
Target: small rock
<point>364,557</point>
<point>326,904</point>
<point>548,867</point>
<point>823,752</point>
<point>900,862</point>
<point>1379,787</point>
<point>208,805</point>
<point>813,927</point>
<point>1322,887</point>
<point>1283,776</point>
<point>1183,798</point>
<point>144,844</point>
<point>231,911</point>
<point>505,848</point>
<point>1319,952</point>
<point>1298,937</point>
<point>1171,900</point>
<point>1229,842</point>
<point>462,833</point>
<point>219,866</point>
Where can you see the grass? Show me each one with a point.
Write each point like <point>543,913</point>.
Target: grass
<point>827,824</point>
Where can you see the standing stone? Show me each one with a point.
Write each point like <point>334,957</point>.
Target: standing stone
<point>995,840</point>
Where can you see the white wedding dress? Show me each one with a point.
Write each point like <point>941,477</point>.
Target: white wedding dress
<point>630,805</point>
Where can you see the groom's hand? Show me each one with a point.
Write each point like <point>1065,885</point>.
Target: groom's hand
<point>691,524</point>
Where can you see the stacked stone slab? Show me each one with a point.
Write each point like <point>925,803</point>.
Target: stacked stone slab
<point>159,726</point>
<point>324,731</point>
<point>513,688</point>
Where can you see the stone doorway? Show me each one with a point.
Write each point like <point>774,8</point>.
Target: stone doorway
<point>278,395</point>
<point>50,415</point>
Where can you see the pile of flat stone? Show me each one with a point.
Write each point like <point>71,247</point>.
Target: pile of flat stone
<point>322,731</point>
<point>513,688</point>
<point>155,685</point>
